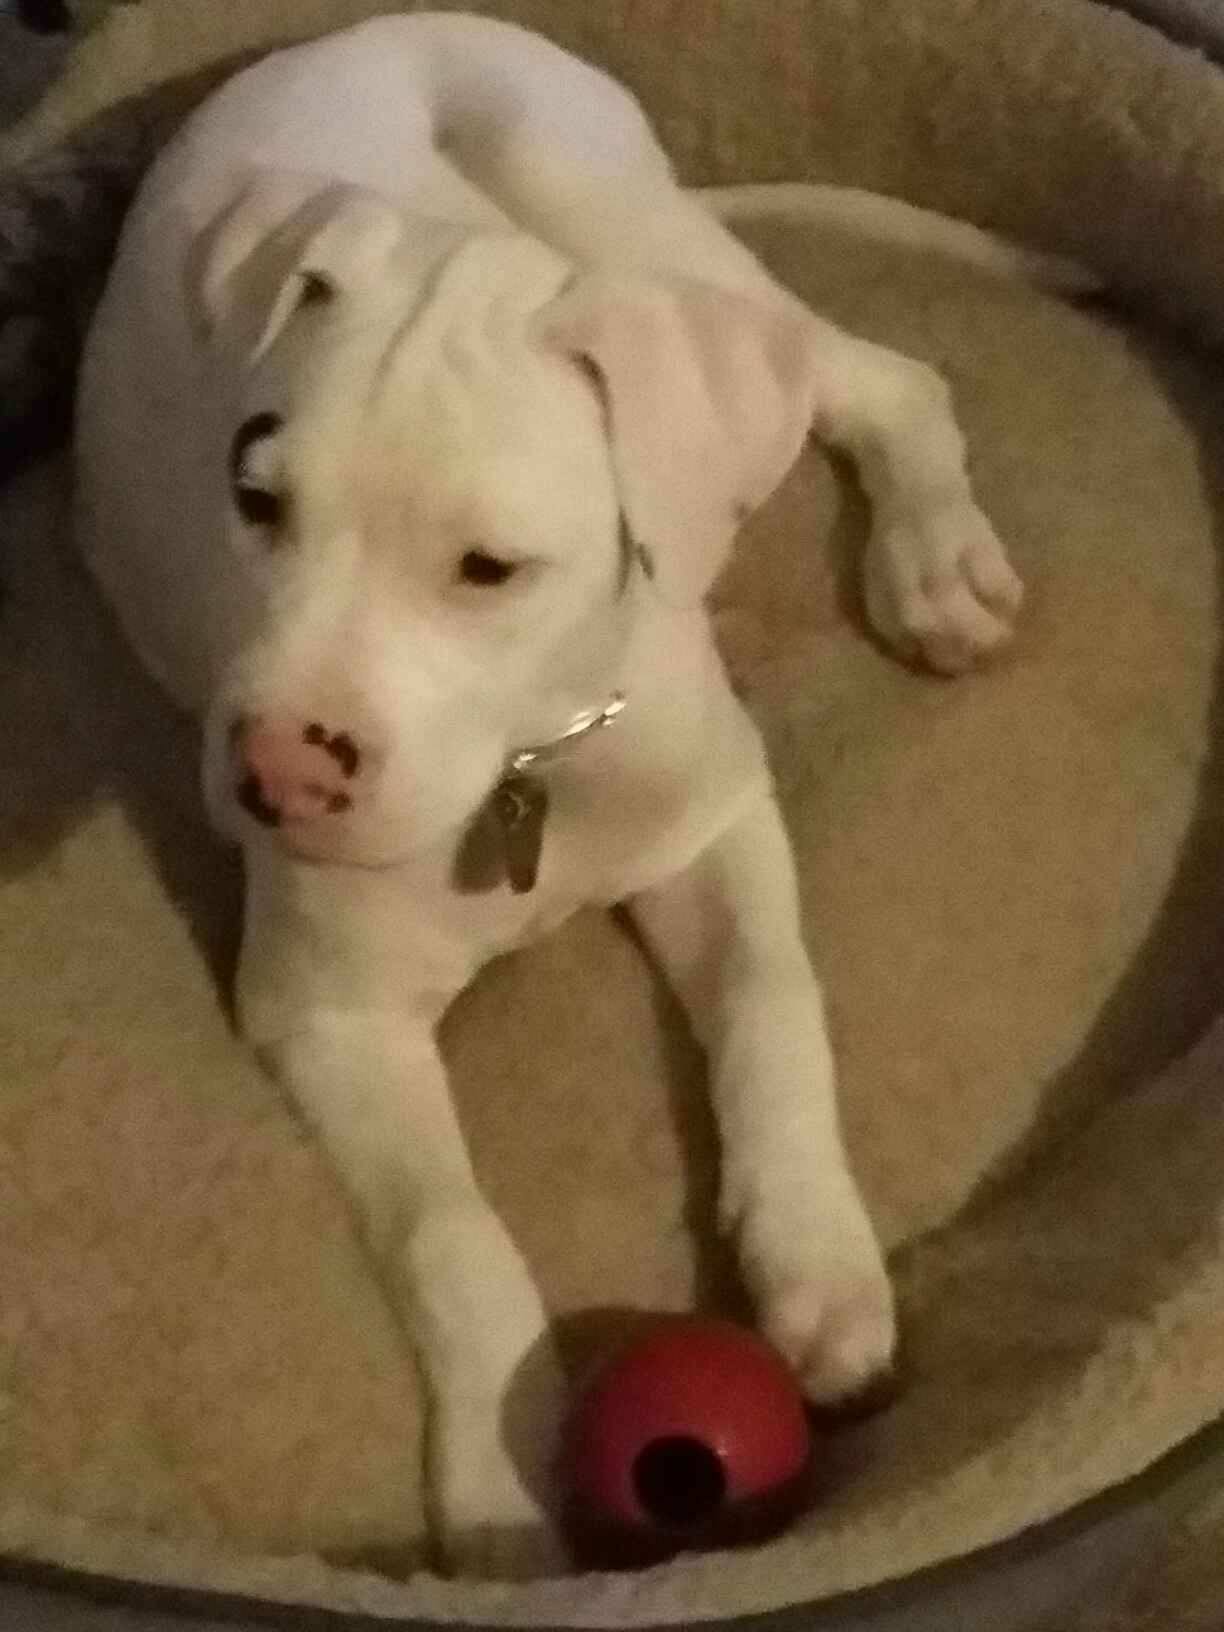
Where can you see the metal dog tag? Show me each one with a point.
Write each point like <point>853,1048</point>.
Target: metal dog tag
<point>520,804</point>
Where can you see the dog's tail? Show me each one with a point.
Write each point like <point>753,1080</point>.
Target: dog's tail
<point>891,221</point>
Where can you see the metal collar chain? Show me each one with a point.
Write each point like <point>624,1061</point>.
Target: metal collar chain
<point>519,802</point>
<point>582,725</point>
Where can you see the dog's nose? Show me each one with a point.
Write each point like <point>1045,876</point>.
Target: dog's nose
<point>294,770</point>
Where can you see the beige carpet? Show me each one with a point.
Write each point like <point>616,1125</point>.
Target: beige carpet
<point>1014,887</point>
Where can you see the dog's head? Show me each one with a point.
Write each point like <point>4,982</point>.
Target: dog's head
<point>437,448</point>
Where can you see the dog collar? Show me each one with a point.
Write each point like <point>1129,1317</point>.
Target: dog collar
<point>581,726</point>
<point>519,802</point>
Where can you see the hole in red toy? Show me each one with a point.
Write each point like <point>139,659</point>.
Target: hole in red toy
<point>679,1481</point>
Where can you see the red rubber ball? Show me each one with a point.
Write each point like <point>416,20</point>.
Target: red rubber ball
<point>693,1435</point>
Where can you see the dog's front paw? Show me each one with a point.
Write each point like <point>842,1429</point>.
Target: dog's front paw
<point>939,587</point>
<point>823,1296</point>
<point>837,1328</point>
<point>495,1395</point>
<point>487,1523</point>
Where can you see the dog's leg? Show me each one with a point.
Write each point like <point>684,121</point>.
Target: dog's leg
<point>937,581</point>
<point>375,1091</point>
<point>574,160</point>
<point>727,934</point>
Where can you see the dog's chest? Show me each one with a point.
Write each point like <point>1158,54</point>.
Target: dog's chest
<point>603,839</point>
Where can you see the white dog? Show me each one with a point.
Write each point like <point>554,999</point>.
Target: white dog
<point>419,415</point>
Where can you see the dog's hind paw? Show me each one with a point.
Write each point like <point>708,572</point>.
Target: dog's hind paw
<point>939,588</point>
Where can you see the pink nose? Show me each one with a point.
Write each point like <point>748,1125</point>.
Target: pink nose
<point>293,771</point>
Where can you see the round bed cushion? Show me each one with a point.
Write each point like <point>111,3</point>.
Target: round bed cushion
<point>1011,884</point>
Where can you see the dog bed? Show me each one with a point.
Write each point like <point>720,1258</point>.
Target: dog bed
<point>1013,885</point>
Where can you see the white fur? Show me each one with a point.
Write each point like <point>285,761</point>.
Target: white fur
<point>522,327</point>
<point>893,221</point>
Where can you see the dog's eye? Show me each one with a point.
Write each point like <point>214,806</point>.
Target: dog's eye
<point>485,571</point>
<point>252,461</point>
<point>259,507</point>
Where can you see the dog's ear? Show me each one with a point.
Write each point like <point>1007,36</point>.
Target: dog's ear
<point>284,243</point>
<point>709,396</point>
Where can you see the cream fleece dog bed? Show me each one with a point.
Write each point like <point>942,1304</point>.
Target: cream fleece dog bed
<point>1013,885</point>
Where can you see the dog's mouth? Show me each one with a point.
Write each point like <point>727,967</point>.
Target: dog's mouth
<point>250,797</point>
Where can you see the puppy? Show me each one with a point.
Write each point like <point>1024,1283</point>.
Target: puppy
<point>417,418</point>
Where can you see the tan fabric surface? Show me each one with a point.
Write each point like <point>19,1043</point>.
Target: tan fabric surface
<point>1012,885</point>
